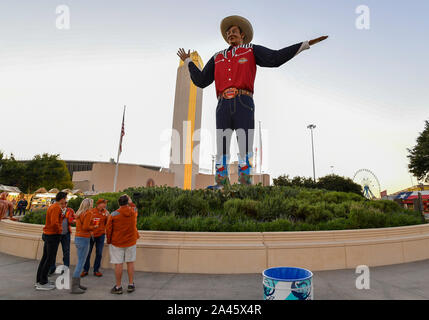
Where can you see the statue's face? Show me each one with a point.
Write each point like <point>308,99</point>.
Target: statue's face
<point>234,36</point>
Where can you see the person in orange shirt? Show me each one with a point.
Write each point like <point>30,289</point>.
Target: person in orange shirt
<point>51,237</point>
<point>84,228</point>
<point>122,235</point>
<point>100,215</point>
<point>67,220</point>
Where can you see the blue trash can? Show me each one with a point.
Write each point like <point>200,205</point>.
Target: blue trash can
<point>287,283</point>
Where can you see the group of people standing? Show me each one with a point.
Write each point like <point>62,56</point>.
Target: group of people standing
<point>93,227</point>
<point>8,208</point>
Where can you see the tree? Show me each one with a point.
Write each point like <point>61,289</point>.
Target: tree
<point>48,171</point>
<point>419,156</point>
<point>285,181</point>
<point>12,172</point>
<point>331,182</point>
<point>334,182</point>
<point>44,170</point>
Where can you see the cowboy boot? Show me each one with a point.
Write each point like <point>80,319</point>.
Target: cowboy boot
<point>221,176</point>
<point>244,169</point>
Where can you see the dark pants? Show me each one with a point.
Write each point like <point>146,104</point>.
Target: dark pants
<point>99,244</point>
<point>235,114</point>
<point>65,245</point>
<point>21,211</point>
<point>50,248</point>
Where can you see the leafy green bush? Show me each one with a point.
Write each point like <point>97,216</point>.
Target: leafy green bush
<point>254,209</point>
<point>239,208</point>
<point>186,205</point>
<point>365,218</point>
<point>75,203</point>
<point>271,208</point>
<point>35,217</point>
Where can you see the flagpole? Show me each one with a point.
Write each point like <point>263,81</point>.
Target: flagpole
<point>260,148</point>
<point>119,152</point>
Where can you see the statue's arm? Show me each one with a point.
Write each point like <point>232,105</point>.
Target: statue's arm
<point>201,78</point>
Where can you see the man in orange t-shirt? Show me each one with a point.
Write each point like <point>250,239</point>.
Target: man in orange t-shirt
<point>122,235</point>
<point>99,216</point>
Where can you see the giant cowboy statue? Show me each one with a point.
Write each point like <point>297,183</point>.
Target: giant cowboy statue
<point>233,71</point>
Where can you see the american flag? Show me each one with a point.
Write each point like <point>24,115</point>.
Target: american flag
<point>122,132</point>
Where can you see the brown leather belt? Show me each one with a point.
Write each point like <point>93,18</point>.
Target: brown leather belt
<point>231,93</point>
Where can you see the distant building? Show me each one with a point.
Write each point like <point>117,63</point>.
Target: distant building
<point>94,176</point>
<point>408,197</point>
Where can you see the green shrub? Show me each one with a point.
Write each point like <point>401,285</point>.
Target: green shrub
<point>238,208</point>
<point>271,208</point>
<point>186,205</point>
<point>403,219</point>
<point>385,206</point>
<point>366,218</point>
<point>319,213</point>
<point>75,203</point>
<point>278,225</point>
<point>162,203</point>
<point>339,197</point>
<point>35,217</point>
<point>253,209</point>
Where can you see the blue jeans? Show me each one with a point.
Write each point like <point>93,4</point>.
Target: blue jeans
<point>65,245</point>
<point>99,244</point>
<point>82,246</point>
<point>232,115</point>
<point>237,114</point>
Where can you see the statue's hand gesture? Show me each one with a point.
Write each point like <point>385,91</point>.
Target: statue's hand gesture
<point>182,54</point>
<point>317,40</point>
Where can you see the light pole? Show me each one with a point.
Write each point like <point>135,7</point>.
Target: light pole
<point>213,163</point>
<point>311,127</point>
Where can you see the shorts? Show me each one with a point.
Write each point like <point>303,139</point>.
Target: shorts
<point>120,255</point>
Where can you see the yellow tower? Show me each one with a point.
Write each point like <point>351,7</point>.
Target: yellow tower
<point>184,154</point>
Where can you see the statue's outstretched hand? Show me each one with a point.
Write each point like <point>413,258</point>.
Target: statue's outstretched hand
<point>182,54</point>
<point>314,41</point>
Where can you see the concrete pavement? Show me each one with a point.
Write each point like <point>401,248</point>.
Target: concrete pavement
<point>406,281</point>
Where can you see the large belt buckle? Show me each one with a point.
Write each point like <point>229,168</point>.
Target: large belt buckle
<point>230,93</point>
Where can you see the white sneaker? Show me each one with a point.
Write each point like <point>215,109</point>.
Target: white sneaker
<point>50,282</point>
<point>47,286</point>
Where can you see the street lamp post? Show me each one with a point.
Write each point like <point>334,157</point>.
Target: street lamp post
<point>311,127</point>
<point>213,163</point>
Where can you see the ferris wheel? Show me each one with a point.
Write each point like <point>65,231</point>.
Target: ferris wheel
<point>369,182</point>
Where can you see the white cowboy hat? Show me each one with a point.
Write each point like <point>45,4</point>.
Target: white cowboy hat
<point>242,23</point>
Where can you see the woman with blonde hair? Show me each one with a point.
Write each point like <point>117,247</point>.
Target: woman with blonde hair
<point>84,227</point>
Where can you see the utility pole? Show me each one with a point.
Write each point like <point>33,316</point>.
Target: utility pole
<point>213,163</point>
<point>119,151</point>
<point>311,127</point>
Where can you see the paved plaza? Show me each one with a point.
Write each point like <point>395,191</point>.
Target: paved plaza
<point>405,281</point>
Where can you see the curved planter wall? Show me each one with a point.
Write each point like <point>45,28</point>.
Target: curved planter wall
<point>220,253</point>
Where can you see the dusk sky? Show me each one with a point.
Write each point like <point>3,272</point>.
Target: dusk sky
<point>63,91</point>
